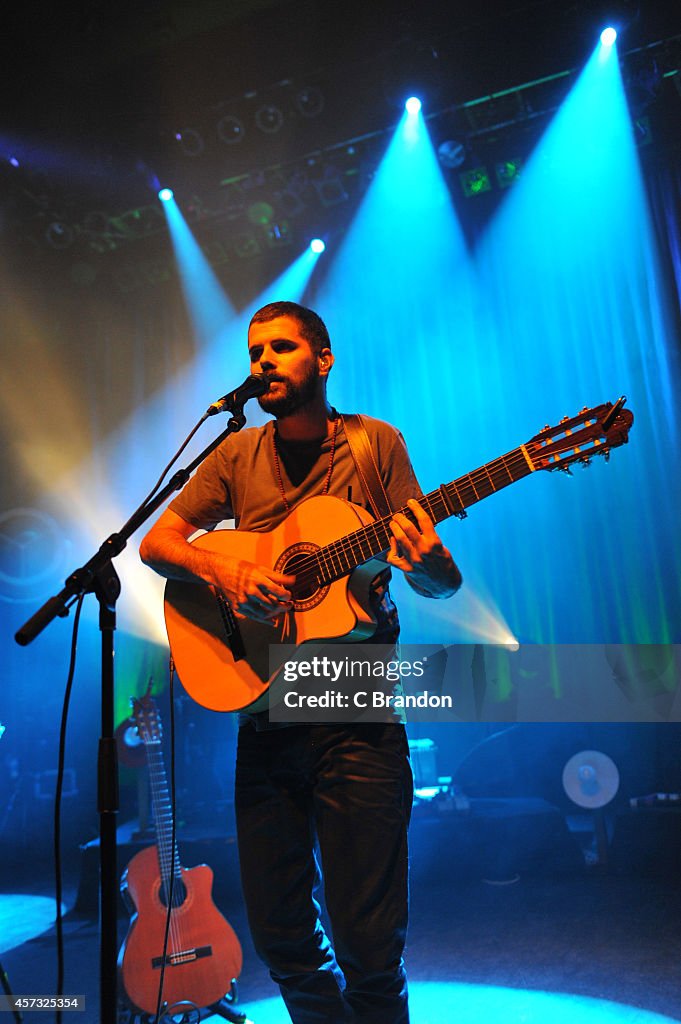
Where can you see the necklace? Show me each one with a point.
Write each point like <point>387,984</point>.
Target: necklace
<point>277,467</point>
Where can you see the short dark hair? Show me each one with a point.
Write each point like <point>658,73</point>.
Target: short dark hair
<point>312,327</point>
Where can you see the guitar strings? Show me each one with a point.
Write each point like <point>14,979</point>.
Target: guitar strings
<point>161,803</point>
<point>355,543</point>
<point>173,931</point>
<point>468,490</point>
<point>497,474</point>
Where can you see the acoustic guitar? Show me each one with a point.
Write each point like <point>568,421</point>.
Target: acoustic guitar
<point>203,955</point>
<point>331,546</point>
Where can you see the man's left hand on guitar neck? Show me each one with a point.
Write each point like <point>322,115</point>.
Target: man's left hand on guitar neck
<point>416,549</point>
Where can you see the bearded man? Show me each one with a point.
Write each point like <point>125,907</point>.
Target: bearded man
<point>313,796</point>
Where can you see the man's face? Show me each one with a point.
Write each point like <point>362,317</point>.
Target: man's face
<point>296,374</point>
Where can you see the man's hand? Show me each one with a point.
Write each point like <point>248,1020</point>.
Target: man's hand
<point>417,550</point>
<point>251,590</point>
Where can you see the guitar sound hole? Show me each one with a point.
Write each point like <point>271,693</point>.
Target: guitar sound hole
<point>300,561</point>
<point>179,893</point>
<point>306,587</point>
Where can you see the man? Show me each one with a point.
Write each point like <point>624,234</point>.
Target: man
<point>346,788</point>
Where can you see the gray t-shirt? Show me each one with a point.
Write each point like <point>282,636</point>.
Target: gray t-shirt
<point>238,480</point>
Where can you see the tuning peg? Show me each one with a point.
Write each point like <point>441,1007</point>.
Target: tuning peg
<point>564,419</point>
<point>586,461</point>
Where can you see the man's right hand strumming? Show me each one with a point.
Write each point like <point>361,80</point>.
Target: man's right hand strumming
<point>255,591</point>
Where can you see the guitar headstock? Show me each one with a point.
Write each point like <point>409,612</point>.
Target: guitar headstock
<point>147,718</point>
<point>593,432</point>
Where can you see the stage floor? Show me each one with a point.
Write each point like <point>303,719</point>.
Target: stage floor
<point>593,947</point>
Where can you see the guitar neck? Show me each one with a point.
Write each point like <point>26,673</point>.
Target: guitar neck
<point>168,856</point>
<point>339,558</point>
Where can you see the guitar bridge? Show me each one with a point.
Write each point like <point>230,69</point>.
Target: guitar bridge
<point>185,956</point>
<point>234,639</point>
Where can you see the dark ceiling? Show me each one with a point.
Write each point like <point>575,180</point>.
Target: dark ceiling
<point>96,94</point>
<point>91,62</point>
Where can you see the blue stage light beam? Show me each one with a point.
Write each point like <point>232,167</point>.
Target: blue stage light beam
<point>124,468</point>
<point>438,1000</point>
<point>399,297</point>
<point>398,287</point>
<point>577,315</point>
<point>608,36</point>
<point>209,308</point>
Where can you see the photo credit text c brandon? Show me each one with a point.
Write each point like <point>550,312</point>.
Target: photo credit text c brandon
<point>349,682</point>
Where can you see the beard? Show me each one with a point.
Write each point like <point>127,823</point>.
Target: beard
<point>291,397</point>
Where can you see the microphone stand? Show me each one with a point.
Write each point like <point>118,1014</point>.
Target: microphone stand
<point>99,577</point>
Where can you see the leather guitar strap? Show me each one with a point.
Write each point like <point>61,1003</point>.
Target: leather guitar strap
<point>365,464</point>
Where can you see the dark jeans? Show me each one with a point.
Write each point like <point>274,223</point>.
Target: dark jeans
<point>350,788</point>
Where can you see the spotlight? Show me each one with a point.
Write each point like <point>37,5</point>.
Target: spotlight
<point>310,101</point>
<point>260,213</point>
<point>269,119</point>
<point>191,141</point>
<point>451,153</point>
<point>246,245</point>
<point>330,189</point>
<point>59,235</point>
<point>608,36</point>
<point>96,222</point>
<point>475,181</point>
<point>278,235</point>
<point>317,245</point>
<point>290,202</point>
<point>508,171</point>
<point>165,195</point>
<point>413,105</point>
<point>217,252</point>
<point>15,163</point>
<point>230,130</point>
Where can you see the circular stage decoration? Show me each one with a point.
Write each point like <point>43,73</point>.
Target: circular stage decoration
<point>591,779</point>
<point>33,553</point>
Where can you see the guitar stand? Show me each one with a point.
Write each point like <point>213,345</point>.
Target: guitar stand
<point>223,1008</point>
<point>190,1015</point>
<point>187,1012</point>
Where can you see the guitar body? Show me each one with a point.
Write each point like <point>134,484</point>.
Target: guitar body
<point>203,954</point>
<point>225,664</point>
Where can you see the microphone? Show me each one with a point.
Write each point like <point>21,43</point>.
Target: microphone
<point>254,386</point>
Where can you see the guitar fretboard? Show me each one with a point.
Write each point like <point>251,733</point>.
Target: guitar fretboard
<point>168,855</point>
<point>339,558</point>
